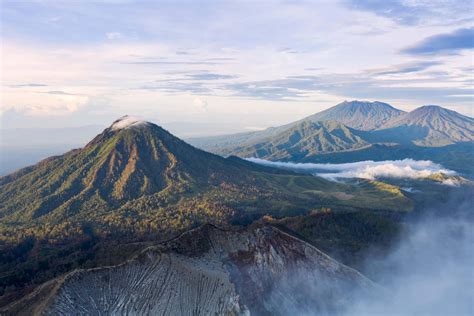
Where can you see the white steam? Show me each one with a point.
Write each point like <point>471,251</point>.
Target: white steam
<point>406,168</point>
<point>126,122</point>
<point>430,273</point>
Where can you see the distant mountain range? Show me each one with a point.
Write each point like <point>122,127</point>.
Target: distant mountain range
<point>349,128</point>
<point>432,125</point>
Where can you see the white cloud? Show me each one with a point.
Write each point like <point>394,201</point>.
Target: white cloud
<point>200,104</point>
<point>113,35</point>
<point>32,102</point>
<point>451,182</point>
<point>122,63</point>
<point>406,168</point>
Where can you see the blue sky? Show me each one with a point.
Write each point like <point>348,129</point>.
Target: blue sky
<point>235,65</point>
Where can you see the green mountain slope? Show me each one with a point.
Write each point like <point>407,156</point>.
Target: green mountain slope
<point>117,166</point>
<point>302,140</point>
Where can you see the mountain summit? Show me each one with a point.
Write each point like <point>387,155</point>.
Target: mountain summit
<point>128,121</point>
<point>361,115</point>
<point>436,126</point>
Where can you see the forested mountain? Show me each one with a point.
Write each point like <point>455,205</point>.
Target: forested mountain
<point>137,182</point>
<point>302,140</point>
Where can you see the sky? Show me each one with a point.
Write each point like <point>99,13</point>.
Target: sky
<point>225,66</point>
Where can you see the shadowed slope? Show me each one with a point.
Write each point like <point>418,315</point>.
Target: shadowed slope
<point>302,140</point>
<point>360,115</point>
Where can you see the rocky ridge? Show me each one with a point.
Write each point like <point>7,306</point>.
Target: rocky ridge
<point>258,270</point>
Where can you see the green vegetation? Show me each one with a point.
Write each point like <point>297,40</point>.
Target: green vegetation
<point>393,189</point>
<point>304,139</point>
<point>346,236</point>
<point>141,184</point>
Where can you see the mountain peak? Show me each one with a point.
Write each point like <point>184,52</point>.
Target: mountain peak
<point>124,123</point>
<point>432,110</point>
<point>127,161</point>
<point>364,102</point>
<point>430,107</point>
<point>363,115</point>
<point>127,121</point>
<point>437,126</point>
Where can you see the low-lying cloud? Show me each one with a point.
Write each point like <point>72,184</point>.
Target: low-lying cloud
<point>406,168</point>
<point>427,271</point>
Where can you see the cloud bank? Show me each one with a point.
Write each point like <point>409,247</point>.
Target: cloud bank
<point>450,43</point>
<point>406,168</point>
<point>156,58</point>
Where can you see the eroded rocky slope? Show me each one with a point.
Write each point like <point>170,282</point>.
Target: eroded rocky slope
<point>207,271</point>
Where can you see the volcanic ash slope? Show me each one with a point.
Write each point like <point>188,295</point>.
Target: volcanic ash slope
<point>210,271</point>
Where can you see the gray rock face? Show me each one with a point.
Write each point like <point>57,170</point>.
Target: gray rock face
<point>210,271</point>
<point>156,284</point>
